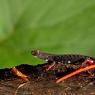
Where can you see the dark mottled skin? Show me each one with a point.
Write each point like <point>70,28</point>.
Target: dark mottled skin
<point>71,58</point>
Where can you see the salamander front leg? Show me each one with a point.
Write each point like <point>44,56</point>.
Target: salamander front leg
<point>50,66</point>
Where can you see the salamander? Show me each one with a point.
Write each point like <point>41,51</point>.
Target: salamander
<point>65,58</point>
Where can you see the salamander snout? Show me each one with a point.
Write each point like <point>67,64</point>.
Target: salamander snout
<point>35,52</point>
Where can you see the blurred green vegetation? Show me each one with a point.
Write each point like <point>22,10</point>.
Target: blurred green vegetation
<point>54,26</point>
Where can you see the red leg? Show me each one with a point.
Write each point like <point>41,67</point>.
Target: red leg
<point>50,66</point>
<point>87,61</point>
<point>92,65</point>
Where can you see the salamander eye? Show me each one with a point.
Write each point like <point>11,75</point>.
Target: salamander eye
<point>35,52</point>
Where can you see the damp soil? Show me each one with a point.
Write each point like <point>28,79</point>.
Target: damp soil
<point>43,82</point>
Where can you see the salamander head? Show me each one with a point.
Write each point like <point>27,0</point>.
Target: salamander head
<point>35,53</point>
<point>41,55</point>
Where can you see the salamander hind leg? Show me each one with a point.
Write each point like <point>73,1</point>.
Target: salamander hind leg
<point>82,69</point>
